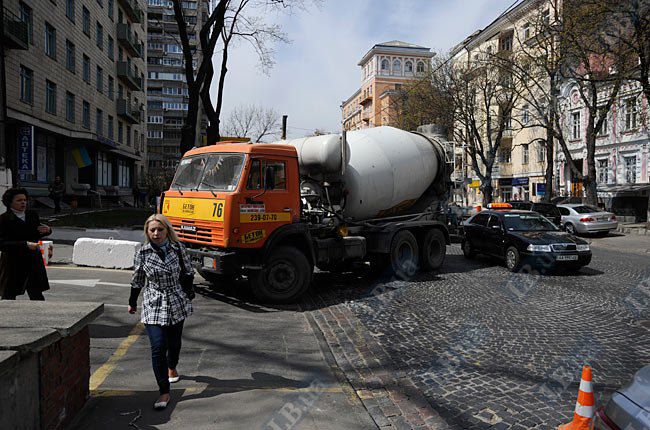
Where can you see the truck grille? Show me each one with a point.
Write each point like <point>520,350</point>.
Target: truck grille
<point>563,247</point>
<point>194,231</point>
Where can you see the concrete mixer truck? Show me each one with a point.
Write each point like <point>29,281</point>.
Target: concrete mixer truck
<point>275,211</point>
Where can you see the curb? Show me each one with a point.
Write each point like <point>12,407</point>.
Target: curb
<point>640,231</point>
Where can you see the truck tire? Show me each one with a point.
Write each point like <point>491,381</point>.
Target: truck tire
<point>285,277</point>
<point>433,251</point>
<point>404,255</point>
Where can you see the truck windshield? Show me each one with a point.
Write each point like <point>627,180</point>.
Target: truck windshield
<point>218,172</point>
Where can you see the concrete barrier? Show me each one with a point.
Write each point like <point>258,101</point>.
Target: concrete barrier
<point>108,253</point>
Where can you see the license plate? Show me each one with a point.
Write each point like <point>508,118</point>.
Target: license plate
<point>208,262</point>
<point>191,228</point>
<point>567,257</point>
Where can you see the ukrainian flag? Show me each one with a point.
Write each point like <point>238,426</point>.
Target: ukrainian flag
<point>81,157</point>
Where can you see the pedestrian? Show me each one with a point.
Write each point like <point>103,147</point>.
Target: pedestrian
<point>21,263</point>
<point>159,265</point>
<point>57,190</point>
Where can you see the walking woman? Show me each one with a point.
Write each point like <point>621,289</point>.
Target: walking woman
<point>21,264</point>
<point>159,265</point>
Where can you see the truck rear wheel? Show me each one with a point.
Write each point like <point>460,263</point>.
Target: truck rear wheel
<point>285,277</point>
<point>404,255</point>
<point>434,250</point>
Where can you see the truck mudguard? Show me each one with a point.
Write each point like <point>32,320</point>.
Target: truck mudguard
<point>297,233</point>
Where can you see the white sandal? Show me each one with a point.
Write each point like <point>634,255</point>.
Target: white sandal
<point>160,405</point>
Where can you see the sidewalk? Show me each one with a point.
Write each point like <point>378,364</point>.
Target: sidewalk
<point>639,228</point>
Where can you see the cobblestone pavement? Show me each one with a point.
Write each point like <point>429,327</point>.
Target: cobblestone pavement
<point>476,347</point>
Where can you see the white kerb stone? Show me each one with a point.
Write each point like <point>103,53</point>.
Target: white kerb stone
<point>108,253</point>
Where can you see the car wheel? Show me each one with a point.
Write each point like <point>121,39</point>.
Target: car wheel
<point>434,249</point>
<point>570,228</point>
<point>468,249</point>
<point>285,277</point>
<point>513,259</point>
<point>404,255</point>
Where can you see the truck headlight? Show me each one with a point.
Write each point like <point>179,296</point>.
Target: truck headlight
<point>582,248</point>
<point>539,248</point>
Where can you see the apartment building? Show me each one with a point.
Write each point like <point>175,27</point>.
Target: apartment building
<point>167,91</point>
<point>74,90</point>
<point>518,173</point>
<point>384,69</point>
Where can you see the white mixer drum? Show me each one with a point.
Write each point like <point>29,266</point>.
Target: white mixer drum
<point>388,170</point>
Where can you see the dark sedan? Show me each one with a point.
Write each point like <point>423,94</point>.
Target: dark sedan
<point>523,237</point>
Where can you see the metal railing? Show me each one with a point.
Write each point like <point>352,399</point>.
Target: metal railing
<point>16,31</point>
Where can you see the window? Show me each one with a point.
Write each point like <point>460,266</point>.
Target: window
<point>385,66</point>
<point>154,134</point>
<point>99,36</point>
<point>111,9</point>
<point>85,21</point>
<point>27,17</point>
<point>104,170</point>
<point>69,106</point>
<point>408,67</point>
<point>120,132</point>
<point>111,89</point>
<point>26,84</point>
<point>525,115</point>
<point>420,67</point>
<point>505,155</point>
<point>109,127</point>
<point>123,174</point>
<point>128,135</point>
<point>50,41</point>
<point>541,152</point>
<point>481,219</point>
<point>525,155</point>
<point>70,56</point>
<point>630,169</point>
<point>526,31</point>
<point>50,97</point>
<point>155,120</point>
<point>69,9</point>
<point>99,122</point>
<point>397,66</point>
<point>631,113</point>
<point>494,222</point>
<point>576,125</point>
<point>505,41</point>
<point>546,16</point>
<point>86,69</point>
<point>603,171</point>
<point>99,79</point>
<point>604,128</point>
<point>85,113</point>
<point>111,48</point>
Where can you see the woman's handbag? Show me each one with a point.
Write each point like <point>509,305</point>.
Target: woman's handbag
<point>186,280</point>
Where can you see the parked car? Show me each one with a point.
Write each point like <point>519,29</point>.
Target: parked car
<point>578,218</point>
<point>629,407</point>
<point>523,237</point>
<point>549,210</point>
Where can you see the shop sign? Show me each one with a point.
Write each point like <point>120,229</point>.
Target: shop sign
<point>26,149</point>
<point>540,189</point>
<point>505,182</point>
<point>519,181</point>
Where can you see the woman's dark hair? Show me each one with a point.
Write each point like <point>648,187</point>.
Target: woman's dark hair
<point>9,195</point>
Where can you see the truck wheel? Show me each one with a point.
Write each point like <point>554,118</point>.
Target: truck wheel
<point>404,255</point>
<point>434,249</point>
<point>285,277</point>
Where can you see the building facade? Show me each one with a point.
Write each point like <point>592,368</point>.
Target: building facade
<point>167,91</point>
<point>75,102</point>
<point>384,69</point>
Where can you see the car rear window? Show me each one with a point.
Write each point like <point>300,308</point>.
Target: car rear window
<point>585,209</point>
<point>481,219</point>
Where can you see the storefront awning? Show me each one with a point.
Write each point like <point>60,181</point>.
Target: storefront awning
<point>615,189</point>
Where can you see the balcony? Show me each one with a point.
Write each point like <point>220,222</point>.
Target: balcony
<point>127,111</point>
<point>16,32</point>
<point>366,116</point>
<point>365,99</point>
<point>125,73</point>
<point>132,10</point>
<point>126,36</point>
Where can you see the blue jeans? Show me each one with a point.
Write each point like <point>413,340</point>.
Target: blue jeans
<point>165,349</point>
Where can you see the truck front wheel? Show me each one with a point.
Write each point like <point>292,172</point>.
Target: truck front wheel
<point>285,277</point>
<point>434,249</point>
<point>404,255</point>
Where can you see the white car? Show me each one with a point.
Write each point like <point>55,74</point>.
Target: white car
<point>579,218</point>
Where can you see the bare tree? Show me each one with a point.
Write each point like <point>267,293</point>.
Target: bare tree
<point>254,122</point>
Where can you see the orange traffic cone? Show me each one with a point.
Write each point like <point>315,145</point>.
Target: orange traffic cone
<point>585,405</point>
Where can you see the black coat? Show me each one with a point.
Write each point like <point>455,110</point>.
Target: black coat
<point>18,263</point>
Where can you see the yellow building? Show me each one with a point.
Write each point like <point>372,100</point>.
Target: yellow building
<point>384,69</point>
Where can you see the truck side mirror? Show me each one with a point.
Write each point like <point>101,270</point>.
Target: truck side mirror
<point>269,178</point>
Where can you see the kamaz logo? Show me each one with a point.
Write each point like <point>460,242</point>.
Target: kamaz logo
<point>188,208</point>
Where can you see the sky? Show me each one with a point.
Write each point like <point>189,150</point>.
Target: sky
<point>318,69</point>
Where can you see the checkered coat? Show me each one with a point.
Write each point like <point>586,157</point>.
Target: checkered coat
<point>164,302</point>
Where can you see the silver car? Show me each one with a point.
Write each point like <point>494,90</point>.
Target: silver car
<point>579,218</point>
<point>629,407</point>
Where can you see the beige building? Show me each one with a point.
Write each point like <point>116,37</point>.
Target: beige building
<point>75,101</point>
<point>167,91</point>
<point>384,69</point>
<point>518,173</point>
